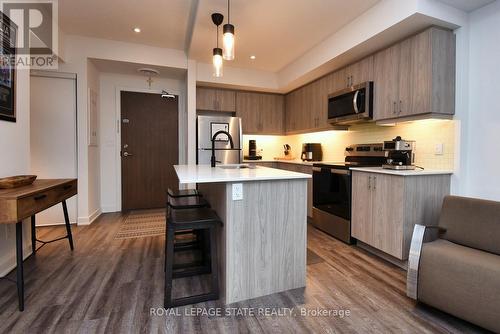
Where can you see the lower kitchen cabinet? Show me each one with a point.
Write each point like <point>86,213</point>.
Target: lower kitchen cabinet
<point>386,207</point>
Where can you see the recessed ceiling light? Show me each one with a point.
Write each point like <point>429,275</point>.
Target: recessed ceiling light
<point>252,57</point>
<point>137,29</point>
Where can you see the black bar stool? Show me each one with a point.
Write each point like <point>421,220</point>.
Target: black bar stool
<point>184,200</point>
<point>183,193</point>
<point>195,219</point>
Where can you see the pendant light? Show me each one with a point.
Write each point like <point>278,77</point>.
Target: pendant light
<point>217,19</point>
<point>228,37</point>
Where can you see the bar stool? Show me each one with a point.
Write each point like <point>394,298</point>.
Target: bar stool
<point>183,200</point>
<point>183,193</point>
<point>195,219</point>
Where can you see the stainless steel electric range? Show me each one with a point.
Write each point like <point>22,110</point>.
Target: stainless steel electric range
<point>332,184</point>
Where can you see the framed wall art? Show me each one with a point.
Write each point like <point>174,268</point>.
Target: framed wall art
<point>8,34</point>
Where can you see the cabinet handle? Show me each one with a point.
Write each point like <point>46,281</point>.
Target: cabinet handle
<point>369,182</point>
<point>400,106</point>
<point>394,108</point>
<point>352,81</point>
<point>374,183</point>
<point>68,186</point>
<point>39,197</point>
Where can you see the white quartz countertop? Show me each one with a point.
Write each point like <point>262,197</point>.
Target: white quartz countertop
<point>414,172</point>
<point>207,174</point>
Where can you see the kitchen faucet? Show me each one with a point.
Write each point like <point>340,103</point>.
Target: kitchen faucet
<point>212,159</point>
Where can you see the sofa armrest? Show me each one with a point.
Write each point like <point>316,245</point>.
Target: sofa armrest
<point>421,234</point>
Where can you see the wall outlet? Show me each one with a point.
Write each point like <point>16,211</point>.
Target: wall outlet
<point>439,149</point>
<point>237,191</point>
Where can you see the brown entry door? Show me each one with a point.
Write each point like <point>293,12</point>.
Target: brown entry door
<point>149,149</point>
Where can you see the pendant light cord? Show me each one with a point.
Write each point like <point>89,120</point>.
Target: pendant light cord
<point>228,12</point>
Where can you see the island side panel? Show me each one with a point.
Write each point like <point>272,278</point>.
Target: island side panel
<point>265,239</point>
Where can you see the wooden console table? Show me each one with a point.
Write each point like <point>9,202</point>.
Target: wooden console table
<point>20,203</point>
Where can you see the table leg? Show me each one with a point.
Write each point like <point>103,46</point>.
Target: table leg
<point>68,226</point>
<point>33,234</point>
<point>20,273</point>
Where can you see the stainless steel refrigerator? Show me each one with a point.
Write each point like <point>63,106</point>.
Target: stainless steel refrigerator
<point>206,127</point>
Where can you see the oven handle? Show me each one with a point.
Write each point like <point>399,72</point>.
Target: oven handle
<point>333,171</point>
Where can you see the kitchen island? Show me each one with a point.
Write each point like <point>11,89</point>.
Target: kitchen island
<point>262,244</point>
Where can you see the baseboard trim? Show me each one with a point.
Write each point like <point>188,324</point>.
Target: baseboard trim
<point>54,224</point>
<point>109,209</point>
<point>403,264</point>
<point>90,219</point>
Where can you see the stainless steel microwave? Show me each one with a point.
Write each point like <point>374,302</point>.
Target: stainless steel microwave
<point>351,105</point>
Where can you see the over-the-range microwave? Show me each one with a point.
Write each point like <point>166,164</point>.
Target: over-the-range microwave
<point>351,105</point>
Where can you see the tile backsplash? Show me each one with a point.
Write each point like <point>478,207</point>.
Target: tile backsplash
<point>426,133</point>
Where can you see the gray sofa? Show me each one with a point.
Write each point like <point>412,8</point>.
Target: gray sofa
<point>455,266</point>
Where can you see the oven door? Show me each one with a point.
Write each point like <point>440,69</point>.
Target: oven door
<point>332,191</point>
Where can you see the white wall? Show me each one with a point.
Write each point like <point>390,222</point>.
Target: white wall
<point>53,137</point>
<point>483,137</point>
<point>77,52</point>
<point>15,160</point>
<point>110,85</point>
<point>93,163</point>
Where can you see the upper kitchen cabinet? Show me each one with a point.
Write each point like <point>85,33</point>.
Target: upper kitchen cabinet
<point>260,113</point>
<point>416,77</point>
<point>359,72</point>
<point>214,99</point>
<point>306,108</point>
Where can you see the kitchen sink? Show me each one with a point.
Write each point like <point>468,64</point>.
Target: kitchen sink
<point>240,166</point>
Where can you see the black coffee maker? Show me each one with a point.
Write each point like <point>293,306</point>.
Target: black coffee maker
<point>311,152</point>
<point>252,151</point>
<point>400,154</point>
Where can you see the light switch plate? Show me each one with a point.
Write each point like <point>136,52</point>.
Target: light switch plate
<point>439,149</point>
<point>237,191</point>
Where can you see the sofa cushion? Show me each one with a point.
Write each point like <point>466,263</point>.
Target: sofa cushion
<point>462,281</point>
<point>472,222</point>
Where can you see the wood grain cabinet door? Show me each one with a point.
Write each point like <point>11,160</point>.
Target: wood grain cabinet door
<point>272,114</point>
<point>388,213</point>
<point>406,79</point>
<point>360,71</point>
<point>386,83</point>
<point>248,107</point>
<point>226,100</point>
<point>206,98</point>
<point>361,219</point>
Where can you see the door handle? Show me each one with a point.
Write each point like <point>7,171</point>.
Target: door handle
<point>355,102</point>
<point>126,154</point>
<point>369,182</point>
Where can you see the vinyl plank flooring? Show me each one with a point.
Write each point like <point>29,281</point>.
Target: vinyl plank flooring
<point>109,286</point>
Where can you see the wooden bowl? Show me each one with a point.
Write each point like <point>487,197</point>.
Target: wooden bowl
<point>16,181</point>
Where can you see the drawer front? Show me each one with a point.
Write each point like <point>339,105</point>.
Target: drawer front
<point>30,205</point>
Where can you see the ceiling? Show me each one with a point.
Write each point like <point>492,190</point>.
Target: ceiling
<point>276,32</point>
<point>163,23</point>
<point>127,68</point>
<point>467,5</point>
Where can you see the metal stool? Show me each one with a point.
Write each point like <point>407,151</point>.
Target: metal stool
<point>195,219</point>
